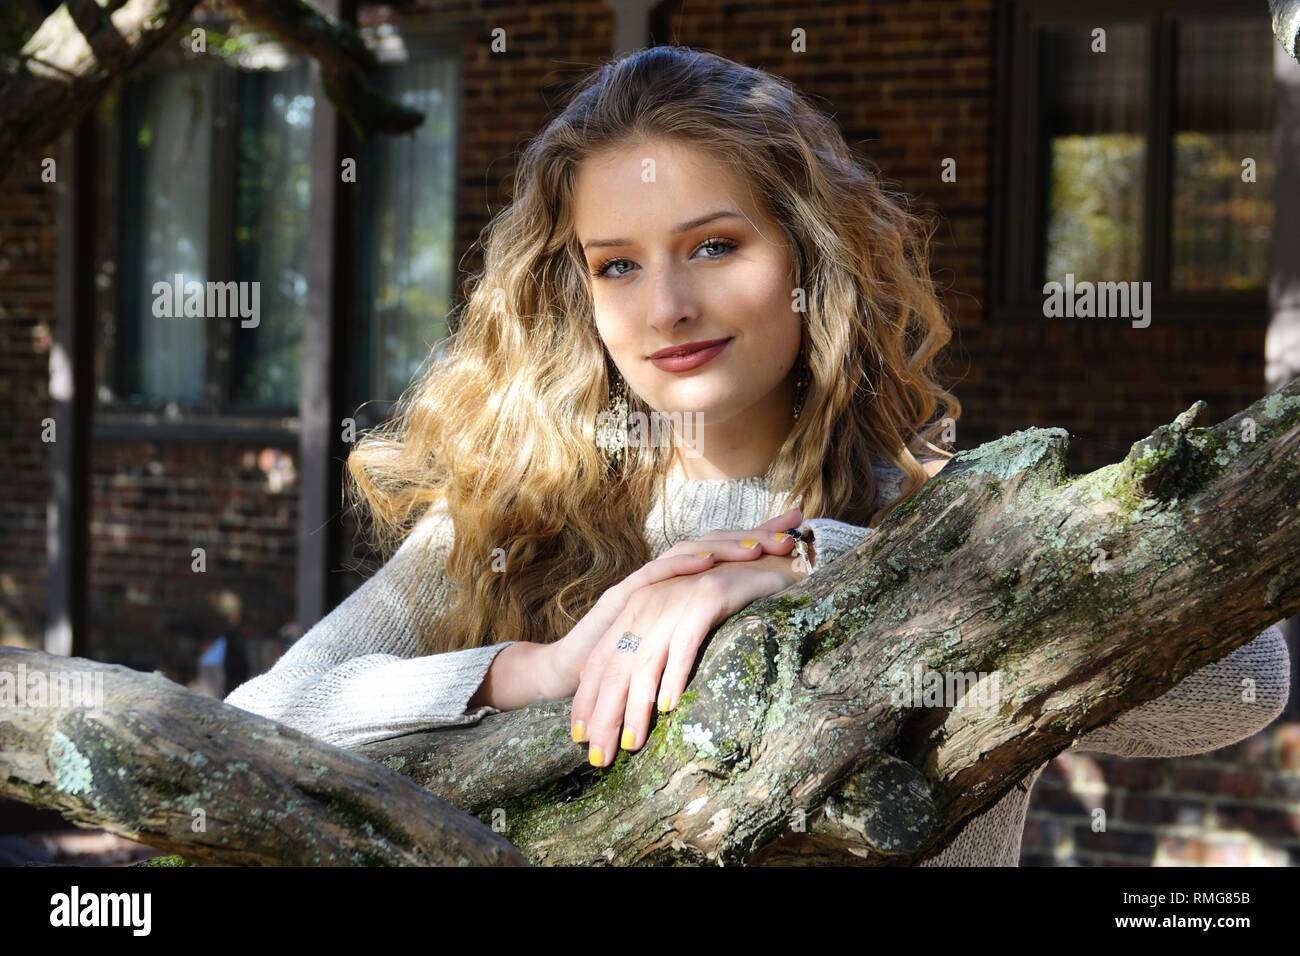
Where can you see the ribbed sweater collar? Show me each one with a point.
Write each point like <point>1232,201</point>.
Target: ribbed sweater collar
<point>698,505</point>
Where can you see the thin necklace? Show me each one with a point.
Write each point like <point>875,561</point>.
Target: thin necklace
<point>670,535</point>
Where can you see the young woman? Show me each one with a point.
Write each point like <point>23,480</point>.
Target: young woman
<point>691,241</point>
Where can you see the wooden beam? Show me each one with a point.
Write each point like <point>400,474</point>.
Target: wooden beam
<point>320,446</point>
<point>1282,343</point>
<point>72,389</point>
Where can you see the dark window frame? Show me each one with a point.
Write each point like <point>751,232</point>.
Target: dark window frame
<point>114,415</point>
<point>215,418</point>
<point>1017,182</point>
<point>398,41</point>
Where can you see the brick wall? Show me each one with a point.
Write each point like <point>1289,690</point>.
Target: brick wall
<point>153,502</point>
<point>27,250</point>
<point>911,84</point>
<point>1238,806</point>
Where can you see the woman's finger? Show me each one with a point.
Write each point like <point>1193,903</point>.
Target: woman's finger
<point>669,564</point>
<point>592,669</point>
<point>646,671</point>
<point>584,698</point>
<point>783,522</point>
<point>693,625</point>
<point>745,546</point>
<point>611,702</point>
<point>611,698</point>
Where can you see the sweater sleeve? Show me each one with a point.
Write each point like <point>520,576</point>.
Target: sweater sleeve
<point>832,538</point>
<point>1232,699</point>
<point>358,676</point>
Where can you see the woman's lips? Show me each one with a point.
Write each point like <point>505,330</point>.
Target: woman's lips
<point>684,363</point>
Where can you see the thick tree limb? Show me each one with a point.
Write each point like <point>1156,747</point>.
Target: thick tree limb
<point>82,48</point>
<point>344,61</point>
<point>1286,24</point>
<point>70,61</point>
<point>787,746</point>
<point>989,568</point>
<point>155,762</point>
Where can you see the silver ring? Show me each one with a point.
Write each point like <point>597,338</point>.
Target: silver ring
<point>629,642</point>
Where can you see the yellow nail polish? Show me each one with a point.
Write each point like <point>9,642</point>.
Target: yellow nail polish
<point>748,543</point>
<point>781,536</point>
<point>579,731</point>
<point>596,757</point>
<point>704,554</point>
<point>629,739</point>
<point>663,703</point>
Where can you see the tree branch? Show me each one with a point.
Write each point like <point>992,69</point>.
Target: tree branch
<point>155,762</point>
<point>789,745</point>
<point>70,61</point>
<point>82,48</point>
<point>1286,24</point>
<point>989,568</point>
<point>344,61</point>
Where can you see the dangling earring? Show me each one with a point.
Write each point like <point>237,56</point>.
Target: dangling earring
<point>801,382</point>
<point>611,424</point>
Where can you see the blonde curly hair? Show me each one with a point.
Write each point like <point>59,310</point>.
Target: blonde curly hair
<point>499,434</point>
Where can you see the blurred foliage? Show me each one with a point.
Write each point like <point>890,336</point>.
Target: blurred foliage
<point>1094,226</point>
<point>16,28</point>
<point>1222,226</point>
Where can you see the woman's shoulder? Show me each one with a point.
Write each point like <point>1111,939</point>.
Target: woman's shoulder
<point>429,538</point>
<point>890,478</point>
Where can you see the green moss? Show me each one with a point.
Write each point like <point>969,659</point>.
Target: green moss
<point>909,506</point>
<point>531,818</point>
<point>170,859</point>
<point>823,644</point>
<point>534,816</point>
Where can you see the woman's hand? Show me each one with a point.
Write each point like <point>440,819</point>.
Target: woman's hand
<point>670,618</point>
<point>563,660</point>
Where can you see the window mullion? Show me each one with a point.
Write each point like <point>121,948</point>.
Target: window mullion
<point>1161,104</point>
<point>221,232</point>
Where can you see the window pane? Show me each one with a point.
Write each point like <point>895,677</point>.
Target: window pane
<point>408,215</point>
<point>166,156</point>
<point>1093,116</point>
<point>1222,226</point>
<point>274,202</point>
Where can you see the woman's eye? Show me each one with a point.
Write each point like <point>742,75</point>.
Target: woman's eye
<point>602,271</point>
<point>726,244</point>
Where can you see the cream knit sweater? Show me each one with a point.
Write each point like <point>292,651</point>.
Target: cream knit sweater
<point>360,674</point>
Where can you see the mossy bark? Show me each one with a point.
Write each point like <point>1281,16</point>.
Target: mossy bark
<point>1085,595</point>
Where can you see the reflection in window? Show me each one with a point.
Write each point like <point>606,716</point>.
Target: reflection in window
<point>1094,117</point>
<point>167,140</point>
<point>1222,226</point>
<point>274,202</point>
<point>407,219</point>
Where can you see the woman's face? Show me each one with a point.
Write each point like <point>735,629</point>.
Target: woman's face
<point>670,279</point>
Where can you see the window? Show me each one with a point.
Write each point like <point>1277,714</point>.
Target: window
<point>1152,160</point>
<point>208,179</point>
<point>274,202</point>
<point>166,153</point>
<point>406,214</point>
<point>207,175</point>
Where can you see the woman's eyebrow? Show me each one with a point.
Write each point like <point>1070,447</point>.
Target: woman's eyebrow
<point>683,227</point>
